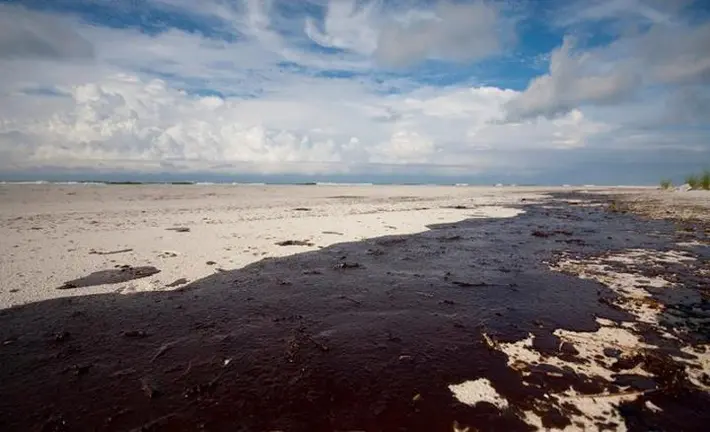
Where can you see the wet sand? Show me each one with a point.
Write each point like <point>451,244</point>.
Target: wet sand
<point>557,314</point>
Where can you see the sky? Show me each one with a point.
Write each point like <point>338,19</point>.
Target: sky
<point>510,91</point>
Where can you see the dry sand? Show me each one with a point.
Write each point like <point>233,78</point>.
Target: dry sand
<point>353,307</point>
<point>54,233</point>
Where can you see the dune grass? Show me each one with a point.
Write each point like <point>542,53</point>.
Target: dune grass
<point>693,181</point>
<point>666,184</point>
<point>698,181</point>
<point>705,180</point>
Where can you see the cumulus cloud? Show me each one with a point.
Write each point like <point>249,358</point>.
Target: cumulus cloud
<point>574,79</point>
<point>124,118</point>
<point>665,54</point>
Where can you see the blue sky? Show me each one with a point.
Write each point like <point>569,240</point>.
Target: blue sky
<point>523,91</point>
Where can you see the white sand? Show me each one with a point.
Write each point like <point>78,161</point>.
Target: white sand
<point>477,391</point>
<point>51,233</point>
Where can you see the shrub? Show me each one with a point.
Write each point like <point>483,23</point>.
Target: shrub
<point>666,184</point>
<point>693,181</point>
<point>705,180</point>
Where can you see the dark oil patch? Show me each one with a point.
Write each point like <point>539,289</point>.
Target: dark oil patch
<point>294,243</point>
<point>177,283</point>
<point>113,276</point>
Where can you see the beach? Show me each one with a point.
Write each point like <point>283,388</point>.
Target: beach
<point>333,307</point>
<point>58,233</point>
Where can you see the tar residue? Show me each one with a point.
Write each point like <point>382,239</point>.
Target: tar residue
<point>121,274</point>
<point>358,336</point>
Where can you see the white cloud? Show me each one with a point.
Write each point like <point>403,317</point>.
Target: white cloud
<point>405,146</point>
<point>574,79</point>
<point>123,118</point>
<point>347,27</point>
<point>668,55</point>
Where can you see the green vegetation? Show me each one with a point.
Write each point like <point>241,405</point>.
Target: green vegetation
<point>666,184</point>
<point>693,181</point>
<point>698,181</point>
<point>705,180</point>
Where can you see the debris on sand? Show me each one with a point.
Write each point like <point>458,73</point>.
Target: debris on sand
<point>104,277</point>
<point>162,350</point>
<point>177,283</point>
<point>320,345</point>
<point>135,334</point>
<point>301,209</point>
<point>80,370</point>
<point>55,423</point>
<point>357,302</point>
<point>179,229</point>
<point>168,254</point>
<point>62,336</point>
<point>201,390</point>
<point>469,284</point>
<point>346,265</point>
<point>171,421</point>
<point>150,388</point>
<point>546,234</point>
<point>120,251</point>
<point>295,243</point>
<point>312,272</point>
<point>347,197</point>
<point>391,241</point>
<point>450,238</point>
